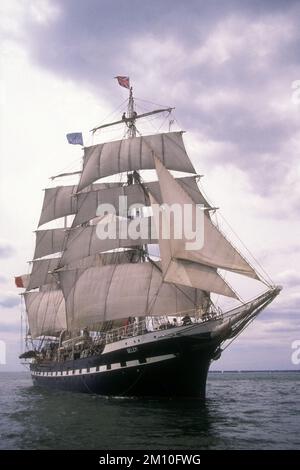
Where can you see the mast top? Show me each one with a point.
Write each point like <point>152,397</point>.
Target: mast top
<point>132,115</point>
<point>127,119</point>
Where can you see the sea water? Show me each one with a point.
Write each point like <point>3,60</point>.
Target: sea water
<point>246,410</point>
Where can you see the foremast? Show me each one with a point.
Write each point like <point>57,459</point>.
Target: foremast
<point>134,176</point>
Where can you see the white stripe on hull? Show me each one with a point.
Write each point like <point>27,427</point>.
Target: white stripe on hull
<point>103,368</point>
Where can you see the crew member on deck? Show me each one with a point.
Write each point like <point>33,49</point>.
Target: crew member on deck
<point>186,320</point>
<point>86,333</point>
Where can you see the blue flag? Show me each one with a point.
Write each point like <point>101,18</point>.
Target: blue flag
<point>75,138</point>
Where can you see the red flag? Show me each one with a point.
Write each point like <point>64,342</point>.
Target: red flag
<point>22,281</point>
<point>19,281</point>
<point>123,81</point>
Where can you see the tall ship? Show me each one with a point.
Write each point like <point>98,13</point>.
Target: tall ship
<point>119,300</point>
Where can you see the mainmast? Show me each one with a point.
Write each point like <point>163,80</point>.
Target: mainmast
<point>131,115</point>
<point>134,176</point>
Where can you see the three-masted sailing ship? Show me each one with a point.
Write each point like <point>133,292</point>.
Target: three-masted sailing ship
<point>105,315</point>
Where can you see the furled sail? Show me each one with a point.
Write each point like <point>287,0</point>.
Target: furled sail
<point>49,242</point>
<point>41,272</point>
<point>84,241</point>
<point>134,154</point>
<point>217,251</point>
<point>88,202</point>
<point>46,312</point>
<point>112,292</point>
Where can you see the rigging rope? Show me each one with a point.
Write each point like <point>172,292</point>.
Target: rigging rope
<point>238,334</point>
<point>151,102</point>
<point>267,280</point>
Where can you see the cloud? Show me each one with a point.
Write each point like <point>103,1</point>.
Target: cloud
<point>292,301</point>
<point>286,307</point>
<point>9,300</point>
<point>3,279</point>
<point>9,327</point>
<point>16,15</point>
<point>6,249</point>
<point>289,277</point>
<point>222,68</point>
<point>268,330</point>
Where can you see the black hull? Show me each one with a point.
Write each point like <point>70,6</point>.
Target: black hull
<point>164,367</point>
<point>171,378</point>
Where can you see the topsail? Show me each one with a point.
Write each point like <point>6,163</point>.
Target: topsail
<point>134,154</point>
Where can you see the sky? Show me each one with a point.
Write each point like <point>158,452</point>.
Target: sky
<point>232,71</point>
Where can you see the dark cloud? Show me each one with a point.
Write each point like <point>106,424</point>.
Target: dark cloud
<point>9,300</point>
<point>90,40</point>
<point>6,249</point>
<point>248,48</point>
